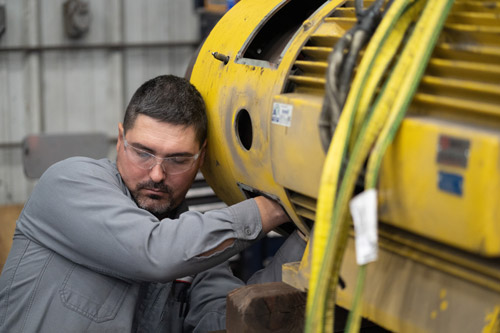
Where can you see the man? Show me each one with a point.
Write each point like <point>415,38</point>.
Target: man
<point>101,246</point>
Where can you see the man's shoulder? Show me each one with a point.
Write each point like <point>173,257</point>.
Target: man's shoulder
<point>84,163</point>
<point>80,166</point>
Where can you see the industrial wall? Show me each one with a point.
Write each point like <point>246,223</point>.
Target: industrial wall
<point>51,82</point>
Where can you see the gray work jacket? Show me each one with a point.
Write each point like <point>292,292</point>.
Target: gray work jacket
<point>86,258</point>
<point>201,306</point>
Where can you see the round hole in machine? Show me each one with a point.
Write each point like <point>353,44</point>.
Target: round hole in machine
<point>244,128</point>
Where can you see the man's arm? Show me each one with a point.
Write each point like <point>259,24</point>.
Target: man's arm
<point>207,310</point>
<point>80,210</point>
<point>209,289</point>
<point>272,216</point>
<point>292,250</point>
<point>271,213</point>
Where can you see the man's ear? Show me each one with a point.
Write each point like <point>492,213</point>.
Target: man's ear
<point>119,141</point>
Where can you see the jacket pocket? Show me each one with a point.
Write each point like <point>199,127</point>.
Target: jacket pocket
<point>91,294</point>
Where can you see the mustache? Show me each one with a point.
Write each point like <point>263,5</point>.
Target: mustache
<point>151,185</point>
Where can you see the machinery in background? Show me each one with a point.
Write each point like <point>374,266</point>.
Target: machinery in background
<point>262,73</point>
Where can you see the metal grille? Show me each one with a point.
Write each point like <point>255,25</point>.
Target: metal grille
<point>304,206</point>
<point>463,73</point>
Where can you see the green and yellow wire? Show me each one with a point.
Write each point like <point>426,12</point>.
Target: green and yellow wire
<point>359,129</point>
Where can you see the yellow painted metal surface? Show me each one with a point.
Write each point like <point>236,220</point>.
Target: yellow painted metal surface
<point>286,161</point>
<point>408,295</point>
<point>410,195</point>
<point>228,161</point>
<point>252,86</point>
<point>438,266</point>
<point>289,144</point>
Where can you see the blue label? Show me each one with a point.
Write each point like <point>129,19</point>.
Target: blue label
<point>451,183</point>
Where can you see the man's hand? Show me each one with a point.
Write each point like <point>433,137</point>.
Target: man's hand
<point>271,213</point>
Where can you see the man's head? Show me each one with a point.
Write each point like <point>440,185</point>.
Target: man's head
<point>169,99</point>
<point>161,142</point>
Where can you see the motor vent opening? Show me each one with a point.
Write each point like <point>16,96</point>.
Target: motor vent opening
<point>244,128</point>
<point>279,28</point>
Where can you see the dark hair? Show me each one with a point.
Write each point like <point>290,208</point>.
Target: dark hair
<point>169,99</point>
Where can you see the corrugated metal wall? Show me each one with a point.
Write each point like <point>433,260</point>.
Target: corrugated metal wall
<point>50,83</point>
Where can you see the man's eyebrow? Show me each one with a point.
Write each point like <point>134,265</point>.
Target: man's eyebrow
<point>152,151</point>
<point>142,147</point>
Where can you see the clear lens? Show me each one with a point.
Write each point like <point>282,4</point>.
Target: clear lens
<point>177,165</point>
<point>171,165</point>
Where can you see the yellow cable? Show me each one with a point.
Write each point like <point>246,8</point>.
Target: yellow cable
<point>329,180</point>
<point>338,236</point>
<point>411,66</point>
<point>382,61</point>
<point>388,49</point>
<point>328,190</point>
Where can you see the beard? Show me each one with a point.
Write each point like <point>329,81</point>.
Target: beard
<point>159,206</point>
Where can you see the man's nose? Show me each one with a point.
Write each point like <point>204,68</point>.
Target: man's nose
<point>156,173</point>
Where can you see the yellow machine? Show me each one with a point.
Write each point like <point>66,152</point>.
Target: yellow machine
<point>262,71</point>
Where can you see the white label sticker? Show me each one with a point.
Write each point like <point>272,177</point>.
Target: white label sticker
<point>282,114</point>
<point>364,215</point>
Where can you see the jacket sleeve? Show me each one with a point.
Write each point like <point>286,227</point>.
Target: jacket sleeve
<point>291,250</point>
<point>81,210</point>
<point>208,293</point>
<point>209,289</point>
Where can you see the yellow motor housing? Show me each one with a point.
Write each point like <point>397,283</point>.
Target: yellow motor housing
<point>262,74</point>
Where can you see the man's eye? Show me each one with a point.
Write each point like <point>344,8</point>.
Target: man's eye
<point>180,160</point>
<point>143,155</point>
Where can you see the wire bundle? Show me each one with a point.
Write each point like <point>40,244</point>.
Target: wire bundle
<point>367,123</point>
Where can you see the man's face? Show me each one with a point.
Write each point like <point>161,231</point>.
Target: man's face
<point>156,190</point>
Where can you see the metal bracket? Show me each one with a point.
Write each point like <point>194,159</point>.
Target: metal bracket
<point>42,150</point>
<point>76,18</point>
